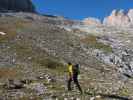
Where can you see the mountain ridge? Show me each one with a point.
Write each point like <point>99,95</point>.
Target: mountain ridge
<point>117,18</point>
<point>16,6</point>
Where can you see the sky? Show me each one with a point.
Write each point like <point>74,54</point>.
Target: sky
<point>80,9</point>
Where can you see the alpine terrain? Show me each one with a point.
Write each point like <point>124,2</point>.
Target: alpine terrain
<point>35,50</point>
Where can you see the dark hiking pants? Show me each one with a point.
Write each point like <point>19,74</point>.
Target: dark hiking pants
<point>75,79</point>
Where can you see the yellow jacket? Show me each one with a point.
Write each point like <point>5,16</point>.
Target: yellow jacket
<point>70,69</point>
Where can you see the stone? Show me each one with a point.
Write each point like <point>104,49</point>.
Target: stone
<point>14,84</point>
<point>49,78</point>
<point>98,96</point>
<point>92,98</point>
<point>38,87</point>
<point>2,33</point>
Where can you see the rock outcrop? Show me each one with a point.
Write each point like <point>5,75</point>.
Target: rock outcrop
<point>118,19</point>
<point>130,15</point>
<point>92,21</point>
<point>16,6</point>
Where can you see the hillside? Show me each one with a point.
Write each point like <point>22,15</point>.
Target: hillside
<point>35,49</point>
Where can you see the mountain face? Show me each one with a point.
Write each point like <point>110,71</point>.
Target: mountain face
<point>119,18</point>
<point>16,5</point>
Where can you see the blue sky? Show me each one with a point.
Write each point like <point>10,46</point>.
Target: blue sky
<point>79,9</point>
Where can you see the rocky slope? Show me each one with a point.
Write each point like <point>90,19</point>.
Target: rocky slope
<point>16,5</point>
<point>34,50</point>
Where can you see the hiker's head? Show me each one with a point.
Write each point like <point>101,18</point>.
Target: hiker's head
<point>69,63</point>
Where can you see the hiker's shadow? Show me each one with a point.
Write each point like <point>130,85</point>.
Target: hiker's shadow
<point>111,96</point>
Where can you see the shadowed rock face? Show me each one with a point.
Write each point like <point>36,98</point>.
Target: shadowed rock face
<point>16,5</point>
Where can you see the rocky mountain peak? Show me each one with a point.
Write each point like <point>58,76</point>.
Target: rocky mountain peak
<point>114,13</point>
<point>118,12</point>
<point>16,5</point>
<point>118,18</point>
<point>121,12</point>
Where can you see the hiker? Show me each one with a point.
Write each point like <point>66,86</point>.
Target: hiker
<point>73,76</point>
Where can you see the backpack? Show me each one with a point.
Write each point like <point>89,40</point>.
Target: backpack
<point>76,69</point>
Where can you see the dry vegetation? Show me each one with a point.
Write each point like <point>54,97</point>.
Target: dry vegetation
<point>7,72</point>
<point>92,42</point>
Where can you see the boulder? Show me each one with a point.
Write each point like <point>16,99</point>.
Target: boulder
<point>14,84</point>
<point>2,33</point>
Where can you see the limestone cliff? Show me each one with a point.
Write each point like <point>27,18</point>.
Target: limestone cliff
<point>118,19</point>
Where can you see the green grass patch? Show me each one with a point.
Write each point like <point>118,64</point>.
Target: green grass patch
<point>51,63</point>
<point>124,92</point>
<point>92,42</point>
